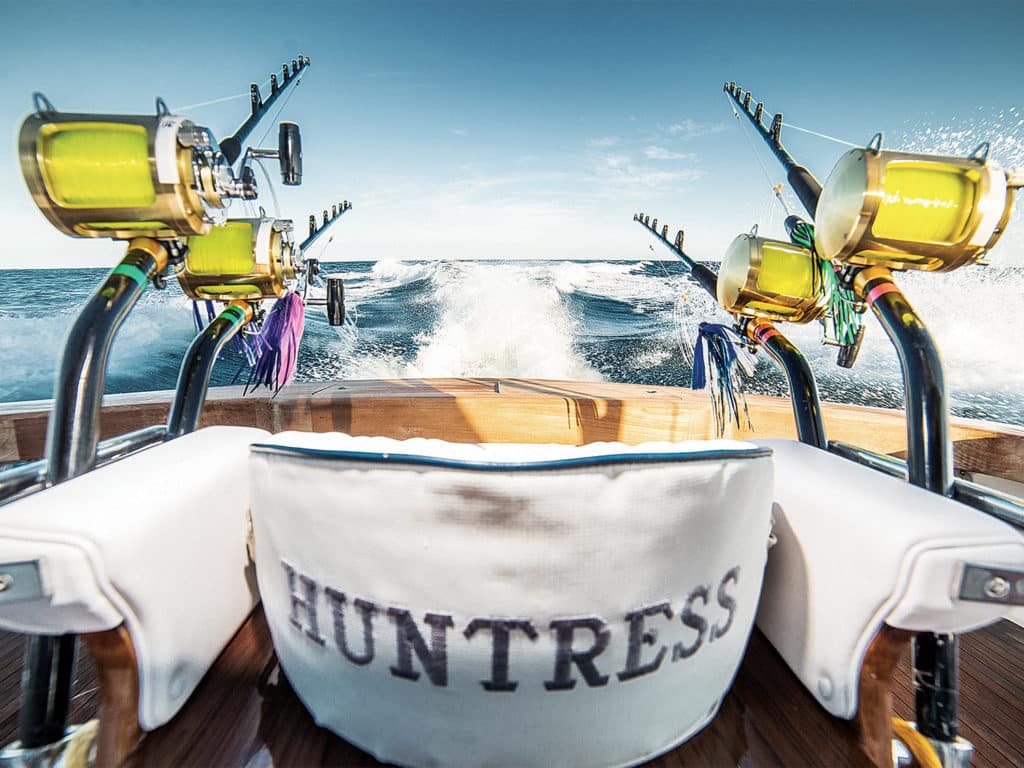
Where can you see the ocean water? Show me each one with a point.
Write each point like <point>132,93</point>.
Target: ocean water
<point>627,321</point>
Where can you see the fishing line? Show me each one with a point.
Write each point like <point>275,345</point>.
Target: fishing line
<point>210,103</point>
<point>681,331</point>
<point>323,248</point>
<point>776,188</point>
<point>682,335</point>
<point>767,218</point>
<point>250,209</point>
<point>270,186</point>
<point>287,98</point>
<point>822,136</point>
<point>221,100</point>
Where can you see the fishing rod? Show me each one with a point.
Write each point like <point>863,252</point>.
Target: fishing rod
<point>758,331</point>
<point>232,145</point>
<point>881,211</point>
<point>153,181</point>
<point>870,222</point>
<point>803,182</point>
<point>337,211</point>
<point>705,276</point>
<point>844,310</point>
<point>335,299</point>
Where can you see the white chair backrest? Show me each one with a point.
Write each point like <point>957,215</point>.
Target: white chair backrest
<point>857,549</point>
<point>156,541</point>
<point>445,604</point>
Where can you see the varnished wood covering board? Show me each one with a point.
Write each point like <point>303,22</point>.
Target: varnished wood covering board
<point>874,692</point>
<point>524,410</point>
<point>244,713</point>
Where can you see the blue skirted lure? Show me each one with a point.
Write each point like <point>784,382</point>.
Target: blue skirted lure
<point>242,346</point>
<point>197,316</point>
<point>716,361</point>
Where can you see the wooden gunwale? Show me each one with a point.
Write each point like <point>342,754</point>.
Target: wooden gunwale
<point>517,410</point>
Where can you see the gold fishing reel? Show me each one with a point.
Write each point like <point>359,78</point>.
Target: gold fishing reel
<point>127,176</point>
<point>906,210</point>
<point>771,279</point>
<point>248,259</point>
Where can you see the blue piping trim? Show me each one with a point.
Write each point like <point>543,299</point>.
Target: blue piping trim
<point>496,466</point>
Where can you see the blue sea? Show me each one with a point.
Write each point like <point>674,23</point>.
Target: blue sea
<point>627,321</point>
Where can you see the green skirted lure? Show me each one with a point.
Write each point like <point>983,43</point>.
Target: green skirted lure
<point>843,319</point>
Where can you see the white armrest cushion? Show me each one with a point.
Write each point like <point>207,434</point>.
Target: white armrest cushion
<point>857,549</point>
<point>600,534</point>
<point>158,541</point>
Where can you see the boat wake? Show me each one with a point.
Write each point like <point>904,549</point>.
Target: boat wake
<point>629,321</point>
<point>482,320</point>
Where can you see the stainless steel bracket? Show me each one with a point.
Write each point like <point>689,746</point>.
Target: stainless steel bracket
<point>20,582</point>
<point>990,584</point>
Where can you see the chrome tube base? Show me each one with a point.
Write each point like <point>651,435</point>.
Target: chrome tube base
<point>954,754</point>
<point>77,749</point>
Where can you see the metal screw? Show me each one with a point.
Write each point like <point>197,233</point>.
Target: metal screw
<point>825,688</point>
<point>997,587</point>
<point>6,580</point>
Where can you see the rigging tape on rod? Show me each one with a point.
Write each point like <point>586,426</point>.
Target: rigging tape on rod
<point>323,248</point>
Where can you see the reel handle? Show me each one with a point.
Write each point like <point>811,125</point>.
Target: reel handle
<point>289,145</point>
<point>335,301</point>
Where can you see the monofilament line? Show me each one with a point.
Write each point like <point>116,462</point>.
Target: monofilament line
<point>221,100</point>
<point>764,169</point>
<point>822,136</point>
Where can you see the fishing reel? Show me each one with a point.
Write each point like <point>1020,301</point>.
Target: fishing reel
<point>255,259</point>
<point>126,176</point>
<point>771,279</point>
<point>904,210</point>
<point>250,259</point>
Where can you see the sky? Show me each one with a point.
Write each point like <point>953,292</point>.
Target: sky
<point>524,129</point>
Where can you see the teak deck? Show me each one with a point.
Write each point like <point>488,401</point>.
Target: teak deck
<point>245,713</point>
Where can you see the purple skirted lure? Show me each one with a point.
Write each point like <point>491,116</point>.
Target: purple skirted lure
<point>277,344</point>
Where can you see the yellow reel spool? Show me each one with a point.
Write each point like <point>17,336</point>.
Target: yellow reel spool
<point>248,259</point>
<point>771,279</point>
<point>911,211</point>
<point>117,176</point>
